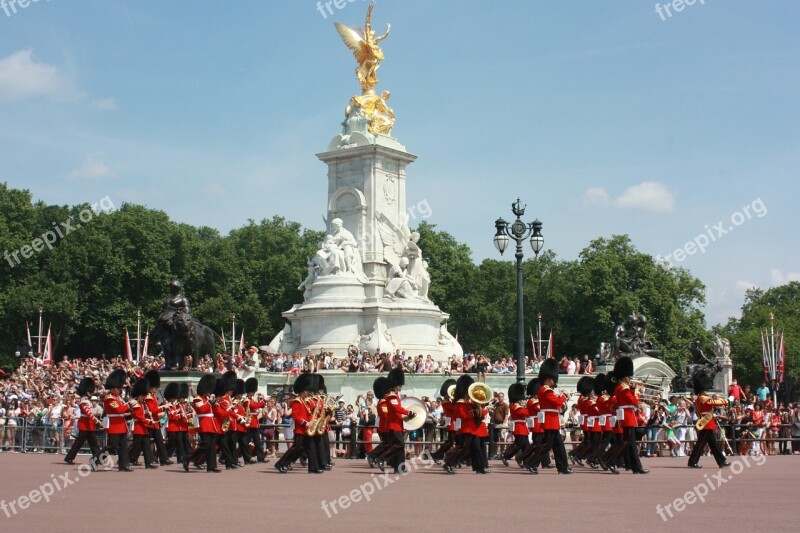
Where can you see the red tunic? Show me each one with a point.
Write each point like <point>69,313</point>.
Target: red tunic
<point>206,421</point>
<point>705,404</point>
<point>238,419</point>
<point>395,412</point>
<point>115,410</point>
<point>141,423</point>
<point>517,416</point>
<point>255,405</point>
<point>550,403</point>
<point>155,410</point>
<point>533,413</point>
<point>87,421</point>
<point>301,413</point>
<point>628,403</point>
<point>223,409</point>
<point>383,416</point>
<point>481,430</point>
<point>464,416</point>
<point>593,416</point>
<point>173,418</point>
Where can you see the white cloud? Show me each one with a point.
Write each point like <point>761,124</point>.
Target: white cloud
<point>743,286</point>
<point>595,197</point>
<point>94,167</point>
<point>104,104</point>
<point>779,278</point>
<point>21,76</point>
<point>648,196</point>
<point>214,189</point>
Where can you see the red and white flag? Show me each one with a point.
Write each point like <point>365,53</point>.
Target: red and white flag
<point>47,355</point>
<point>533,345</point>
<point>128,351</point>
<point>780,359</point>
<point>224,342</point>
<point>550,345</point>
<point>28,328</point>
<point>765,357</point>
<point>241,343</point>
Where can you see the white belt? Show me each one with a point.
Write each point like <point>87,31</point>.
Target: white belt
<point>114,416</point>
<point>627,407</point>
<point>204,416</point>
<point>529,421</point>
<point>548,410</point>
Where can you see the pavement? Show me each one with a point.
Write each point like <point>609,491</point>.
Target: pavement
<point>39,492</point>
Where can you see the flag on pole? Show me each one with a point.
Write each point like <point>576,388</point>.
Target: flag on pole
<point>146,343</point>
<point>241,343</point>
<point>780,359</point>
<point>128,351</point>
<point>47,355</point>
<point>30,342</point>
<point>550,345</point>
<point>224,342</point>
<point>533,344</point>
<point>765,356</point>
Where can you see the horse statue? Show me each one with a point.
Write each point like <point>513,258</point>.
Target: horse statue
<point>180,334</point>
<point>700,364</point>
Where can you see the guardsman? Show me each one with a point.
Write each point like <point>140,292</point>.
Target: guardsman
<point>207,425</point>
<point>585,405</point>
<point>550,403</point>
<point>154,378</point>
<point>240,423</point>
<point>536,429</point>
<point>395,454</point>
<point>464,426</point>
<point>380,387</point>
<point>518,414</point>
<point>704,405</point>
<point>447,414</point>
<point>173,409</point>
<point>303,424</point>
<point>142,423</point>
<point>255,404</point>
<point>223,408</point>
<point>115,410</point>
<point>87,425</point>
<point>627,402</point>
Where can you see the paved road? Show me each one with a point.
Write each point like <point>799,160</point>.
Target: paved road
<point>755,493</point>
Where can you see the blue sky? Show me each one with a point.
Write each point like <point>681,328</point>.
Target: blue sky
<point>604,118</point>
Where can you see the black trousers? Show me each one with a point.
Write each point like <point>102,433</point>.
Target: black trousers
<point>119,442</point>
<point>460,450</point>
<point>226,447</point>
<point>444,447</point>
<point>206,451</point>
<point>538,438</point>
<point>706,436</point>
<point>551,440</point>
<point>520,445</point>
<point>161,450</point>
<point>178,441</point>
<point>84,436</point>
<point>302,444</point>
<point>478,453</point>
<point>627,448</point>
<point>240,447</point>
<point>380,448</point>
<point>599,448</point>
<point>141,444</point>
<point>254,436</point>
<point>395,453</point>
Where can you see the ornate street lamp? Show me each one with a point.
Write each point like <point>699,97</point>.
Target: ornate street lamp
<point>519,231</point>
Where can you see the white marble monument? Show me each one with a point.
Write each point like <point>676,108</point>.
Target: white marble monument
<point>367,285</point>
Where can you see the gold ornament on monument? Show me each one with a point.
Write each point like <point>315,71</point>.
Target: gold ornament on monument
<point>369,55</point>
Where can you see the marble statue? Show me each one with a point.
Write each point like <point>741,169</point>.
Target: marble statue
<point>348,245</point>
<point>400,284</point>
<point>722,348</point>
<point>400,246</point>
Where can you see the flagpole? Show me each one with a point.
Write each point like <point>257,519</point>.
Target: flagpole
<point>138,336</point>
<point>233,333</point>
<point>39,338</point>
<point>540,335</point>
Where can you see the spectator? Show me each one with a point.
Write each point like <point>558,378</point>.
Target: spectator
<point>735,392</point>
<point>498,413</point>
<point>339,415</point>
<point>762,392</point>
<point>796,429</point>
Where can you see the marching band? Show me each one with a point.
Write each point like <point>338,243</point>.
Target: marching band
<point>224,417</point>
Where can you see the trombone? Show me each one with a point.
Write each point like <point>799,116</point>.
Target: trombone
<point>649,392</point>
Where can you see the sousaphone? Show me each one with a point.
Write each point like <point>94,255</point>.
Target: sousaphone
<point>416,406</point>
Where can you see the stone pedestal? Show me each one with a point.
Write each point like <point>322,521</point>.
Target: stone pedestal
<point>724,378</point>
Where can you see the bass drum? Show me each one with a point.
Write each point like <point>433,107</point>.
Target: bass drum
<point>418,408</point>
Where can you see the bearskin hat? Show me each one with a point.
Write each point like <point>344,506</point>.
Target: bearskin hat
<point>600,384</point>
<point>219,388</point>
<point>702,383</point>
<point>251,385</point>
<point>549,369</point>
<point>611,383</point>
<point>533,387</point>
<point>320,383</point>
<point>380,387</point>
<point>229,381</point>
<point>397,378</point>
<point>86,386</point>
<point>585,386</point>
<point>154,378</point>
<point>183,391</point>
<point>445,386</point>
<point>462,386</point>
<point>239,390</point>
<point>140,388</point>
<point>623,368</point>
<point>516,392</point>
<point>172,391</point>
<point>302,383</point>
<point>206,385</point>
<point>116,379</point>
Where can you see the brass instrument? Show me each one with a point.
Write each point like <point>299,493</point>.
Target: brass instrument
<point>703,421</point>
<point>330,404</point>
<point>479,393</point>
<point>316,416</point>
<point>451,392</point>
<point>649,392</point>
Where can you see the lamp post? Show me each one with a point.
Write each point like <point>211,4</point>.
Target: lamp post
<point>519,231</point>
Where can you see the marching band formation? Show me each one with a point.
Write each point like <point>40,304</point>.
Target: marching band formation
<point>225,415</point>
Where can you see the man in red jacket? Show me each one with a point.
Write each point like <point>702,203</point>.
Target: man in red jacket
<point>551,403</point>
<point>704,405</point>
<point>87,425</point>
<point>154,432</point>
<point>116,410</point>
<point>627,401</point>
<point>395,455</point>
<point>207,424</point>
<point>302,416</point>
<point>142,423</point>
<point>380,387</point>
<point>254,404</point>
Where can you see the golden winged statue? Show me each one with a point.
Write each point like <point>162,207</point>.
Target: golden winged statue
<point>365,47</point>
